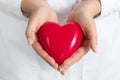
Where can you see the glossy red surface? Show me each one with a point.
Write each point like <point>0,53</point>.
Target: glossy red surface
<point>58,41</point>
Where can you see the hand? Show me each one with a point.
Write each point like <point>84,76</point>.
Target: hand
<point>40,13</point>
<point>83,14</point>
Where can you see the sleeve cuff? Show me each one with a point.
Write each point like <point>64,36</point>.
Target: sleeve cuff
<point>12,8</point>
<point>109,6</point>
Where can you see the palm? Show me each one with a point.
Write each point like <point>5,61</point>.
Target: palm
<point>37,18</point>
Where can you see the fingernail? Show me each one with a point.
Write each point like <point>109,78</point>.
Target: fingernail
<point>56,66</point>
<point>30,41</point>
<point>61,69</point>
<point>62,73</point>
<point>95,49</point>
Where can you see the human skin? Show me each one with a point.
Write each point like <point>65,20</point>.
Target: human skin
<point>83,13</point>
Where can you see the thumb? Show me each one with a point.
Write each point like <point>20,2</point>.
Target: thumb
<point>30,34</point>
<point>35,21</point>
<point>32,28</point>
<point>92,36</point>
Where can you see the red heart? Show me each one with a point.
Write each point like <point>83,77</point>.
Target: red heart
<point>58,41</point>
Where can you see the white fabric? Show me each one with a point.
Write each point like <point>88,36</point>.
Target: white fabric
<point>110,6</point>
<point>12,8</point>
<point>18,61</point>
<point>62,7</point>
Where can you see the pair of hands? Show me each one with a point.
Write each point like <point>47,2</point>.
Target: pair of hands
<point>83,13</point>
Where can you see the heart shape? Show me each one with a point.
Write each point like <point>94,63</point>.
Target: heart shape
<point>58,41</point>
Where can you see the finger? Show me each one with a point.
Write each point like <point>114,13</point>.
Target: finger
<point>44,55</point>
<point>36,20</point>
<point>91,33</point>
<point>74,58</point>
<point>32,29</point>
<point>63,72</point>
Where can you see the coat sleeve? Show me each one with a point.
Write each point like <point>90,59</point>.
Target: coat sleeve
<point>12,8</point>
<point>110,6</point>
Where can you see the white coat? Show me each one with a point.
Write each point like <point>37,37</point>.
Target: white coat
<point>18,61</point>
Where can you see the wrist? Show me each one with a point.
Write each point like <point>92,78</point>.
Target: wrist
<point>96,9</point>
<point>29,6</point>
<point>92,7</point>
